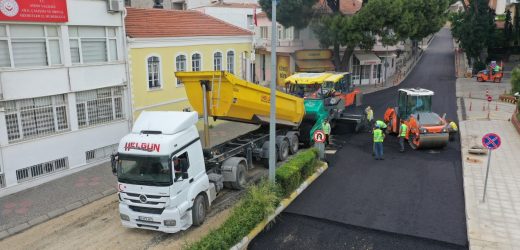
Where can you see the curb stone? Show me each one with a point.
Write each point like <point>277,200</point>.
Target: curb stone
<point>283,204</point>
<point>53,214</point>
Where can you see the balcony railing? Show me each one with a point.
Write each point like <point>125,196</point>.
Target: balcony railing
<point>263,43</point>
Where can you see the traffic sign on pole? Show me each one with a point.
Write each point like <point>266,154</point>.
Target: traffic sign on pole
<point>489,98</point>
<point>319,136</point>
<point>491,141</point>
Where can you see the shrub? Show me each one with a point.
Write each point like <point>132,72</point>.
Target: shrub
<point>259,201</point>
<point>292,173</point>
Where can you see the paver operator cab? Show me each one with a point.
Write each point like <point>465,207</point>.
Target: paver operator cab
<point>327,95</point>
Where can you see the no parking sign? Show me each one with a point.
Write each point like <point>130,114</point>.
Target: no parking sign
<point>491,141</point>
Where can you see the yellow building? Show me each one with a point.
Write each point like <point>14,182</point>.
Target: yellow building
<point>162,42</point>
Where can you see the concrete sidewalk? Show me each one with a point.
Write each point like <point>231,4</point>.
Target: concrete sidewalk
<point>495,223</point>
<point>30,207</point>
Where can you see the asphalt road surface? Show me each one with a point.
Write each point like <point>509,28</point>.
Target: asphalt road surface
<point>411,200</point>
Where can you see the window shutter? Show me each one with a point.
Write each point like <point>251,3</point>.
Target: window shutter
<point>29,52</point>
<point>74,51</point>
<point>94,50</point>
<point>5,60</point>
<point>54,51</point>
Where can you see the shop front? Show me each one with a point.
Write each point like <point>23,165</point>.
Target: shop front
<point>366,68</point>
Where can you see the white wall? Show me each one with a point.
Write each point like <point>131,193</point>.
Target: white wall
<point>92,12</point>
<point>22,83</point>
<point>235,16</point>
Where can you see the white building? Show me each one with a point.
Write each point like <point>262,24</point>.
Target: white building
<point>63,88</point>
<point>238,14</point>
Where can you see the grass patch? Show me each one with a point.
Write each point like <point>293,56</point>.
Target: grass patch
<point>259,202</point>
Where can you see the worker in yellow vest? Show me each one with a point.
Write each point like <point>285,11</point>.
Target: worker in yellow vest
<point>402,135</point>
<point>379,137</point>
<point>326,130</point>
<point>370,117</point>
<point>452,130</point>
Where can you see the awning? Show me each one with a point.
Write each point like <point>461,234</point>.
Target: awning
<point>314,65</point>
<point>386,54</point>
<point>367,58</point>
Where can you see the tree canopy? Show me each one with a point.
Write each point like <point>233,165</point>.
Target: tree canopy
<point>390,21</point>
<point>474,29</point>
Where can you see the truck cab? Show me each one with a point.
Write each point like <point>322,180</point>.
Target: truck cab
<point>162,179</point>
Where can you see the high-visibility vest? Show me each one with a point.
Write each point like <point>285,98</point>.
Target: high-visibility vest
<point>403,129</point>
<point>453,126</point>
<point>326,128</point>
<point>378,135</point>
<point>370,115</point>
<point>381,124</point>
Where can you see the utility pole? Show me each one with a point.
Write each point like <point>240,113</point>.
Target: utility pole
<point>272,117</point>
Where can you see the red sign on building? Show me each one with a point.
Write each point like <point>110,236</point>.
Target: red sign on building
<point>54,11</point>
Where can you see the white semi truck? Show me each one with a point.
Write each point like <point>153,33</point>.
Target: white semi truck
<point>167,181</point>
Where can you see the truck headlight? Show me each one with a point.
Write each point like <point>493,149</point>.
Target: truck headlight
<point>124,217</point>
<point>424,131</point>
<point>170,223</point>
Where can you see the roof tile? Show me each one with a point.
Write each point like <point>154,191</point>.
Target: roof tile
<point>150,23</point>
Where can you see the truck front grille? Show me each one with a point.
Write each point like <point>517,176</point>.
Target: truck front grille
<point>147,210</point>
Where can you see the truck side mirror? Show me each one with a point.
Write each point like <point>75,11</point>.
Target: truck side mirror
<point>113,160</point>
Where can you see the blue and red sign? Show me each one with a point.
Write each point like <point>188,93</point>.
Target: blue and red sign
<point>491,141</point>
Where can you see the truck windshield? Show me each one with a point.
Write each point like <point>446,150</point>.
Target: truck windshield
<point>144,170</point>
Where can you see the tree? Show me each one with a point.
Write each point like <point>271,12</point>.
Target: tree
<point>291,13</point>
<point>508,28</point>
<point>474,29</point>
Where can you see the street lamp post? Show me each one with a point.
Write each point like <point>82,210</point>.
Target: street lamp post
<point>272,117</point>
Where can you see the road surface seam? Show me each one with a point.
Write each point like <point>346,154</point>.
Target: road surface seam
<point>54,213</point>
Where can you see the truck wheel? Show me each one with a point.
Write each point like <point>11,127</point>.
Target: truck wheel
<point>199,210</point>
<point>283,150</point>
<point>479,79</point>
<point>295,143</point>
<point>241,177</point>
<point>497,80</point>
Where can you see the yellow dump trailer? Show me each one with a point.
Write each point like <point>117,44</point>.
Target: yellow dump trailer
<point>231,98</point>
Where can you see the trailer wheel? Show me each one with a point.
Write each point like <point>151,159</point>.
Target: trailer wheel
<point>240,183</point>
<point>295,143</point>
<point>283,150</point>
<point>199,210</point>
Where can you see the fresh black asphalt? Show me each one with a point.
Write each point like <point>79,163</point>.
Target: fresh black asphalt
<point>411,200</point>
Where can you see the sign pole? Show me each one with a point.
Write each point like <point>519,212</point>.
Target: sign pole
<point>487,173</point>
<point>272,117</point>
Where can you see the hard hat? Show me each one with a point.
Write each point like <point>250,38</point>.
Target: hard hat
<point>377,125</point>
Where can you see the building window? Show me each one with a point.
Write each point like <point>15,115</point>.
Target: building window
<point>195,62</point>
<point>100,153</point>
<point>42,169</point>
<point>93,44</point>
<point>29,45</point>
<point>180,66</point>
<point>296,34</point>
<point>154,72</point>
<point>250,22</point>
<point>99,106</point>
<point>35,117</point>
<point>264,32</point>
<point>231,62</point>
<point>217,61</point>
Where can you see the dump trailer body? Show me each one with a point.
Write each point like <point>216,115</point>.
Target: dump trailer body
<point>230,98</point>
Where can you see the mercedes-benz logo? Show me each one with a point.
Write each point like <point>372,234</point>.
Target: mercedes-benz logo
<point>143,198</point>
